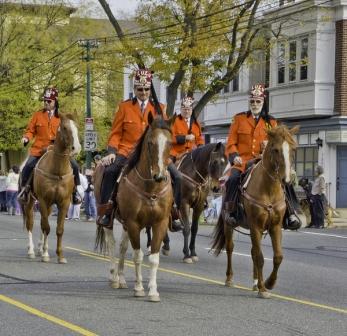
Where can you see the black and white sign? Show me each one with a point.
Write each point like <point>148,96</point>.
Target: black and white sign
<point>90,140</point>
<point>89,124</point>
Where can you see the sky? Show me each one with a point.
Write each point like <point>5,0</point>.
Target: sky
<point>119,7</point>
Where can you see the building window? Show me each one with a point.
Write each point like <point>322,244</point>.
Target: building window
<point>281,63</point>
<point>292,61</point>
<point>235,83</point>
<point>306,159</point>
<point>233,86</point>
<point>304,58</point>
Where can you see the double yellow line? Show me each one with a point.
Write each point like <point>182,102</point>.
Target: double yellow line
<point>96,256</point>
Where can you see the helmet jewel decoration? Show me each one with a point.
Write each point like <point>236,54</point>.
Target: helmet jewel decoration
<point>50,94</point>
<point>258,91</point>
<point>143,78</point>
<point>187,102</point>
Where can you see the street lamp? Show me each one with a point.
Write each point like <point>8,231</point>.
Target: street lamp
<point>319,142</point>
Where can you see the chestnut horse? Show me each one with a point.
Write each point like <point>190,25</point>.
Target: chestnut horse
<point>53,183</point>
<point>264,205</point>
<point>144,199</point>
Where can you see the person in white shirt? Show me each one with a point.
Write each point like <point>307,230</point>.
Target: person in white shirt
<point>12,190</point>
<point>317,199</point>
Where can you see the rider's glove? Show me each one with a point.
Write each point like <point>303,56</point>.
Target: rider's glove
<point>25,141</point>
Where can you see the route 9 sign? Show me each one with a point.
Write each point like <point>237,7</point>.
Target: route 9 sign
<point>90,140</point>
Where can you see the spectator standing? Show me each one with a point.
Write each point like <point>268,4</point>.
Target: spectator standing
<point>317,199</point>
<point>12,190</point>
<point>89,198</point>
<point>3,179</point>
<point>75,209</point>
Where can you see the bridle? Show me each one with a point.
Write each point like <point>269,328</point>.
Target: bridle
<point>152,198</point>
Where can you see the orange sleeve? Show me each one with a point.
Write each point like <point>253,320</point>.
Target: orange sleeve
<point>30,131</point>
<point>116,130</point>
<point>232,138</point>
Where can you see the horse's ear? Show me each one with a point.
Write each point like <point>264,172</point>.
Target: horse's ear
<point>219,145</point>
<point>294,130</point>
<point>70,116</point>
<point>150,118</point>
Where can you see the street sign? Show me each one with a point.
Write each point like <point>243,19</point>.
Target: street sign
<point>90,140</point>
<point>89,124</point>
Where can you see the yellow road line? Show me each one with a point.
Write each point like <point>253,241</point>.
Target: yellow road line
<point>192,276</point>
<point>45,316</point>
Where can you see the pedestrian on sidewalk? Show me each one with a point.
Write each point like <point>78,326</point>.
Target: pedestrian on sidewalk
<point>3,179</point>
<point>89,198</point>
<point>12,190</point>
<point>317,199</point>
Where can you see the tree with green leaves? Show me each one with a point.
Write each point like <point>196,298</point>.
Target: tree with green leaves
<point>38,48</point>
<point>195,45</point>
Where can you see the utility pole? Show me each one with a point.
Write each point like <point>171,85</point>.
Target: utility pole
<point>90,136</point>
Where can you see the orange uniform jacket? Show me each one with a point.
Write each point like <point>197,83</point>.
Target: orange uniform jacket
<point>44,131</point>
<point>128,126</point>
<point>179,130</point>
<point>246,137</point>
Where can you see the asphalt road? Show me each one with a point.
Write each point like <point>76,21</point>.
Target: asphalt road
<point>37,298</point>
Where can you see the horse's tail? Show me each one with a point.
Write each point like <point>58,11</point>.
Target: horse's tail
<point>218,236</point>
<point>100,242</point>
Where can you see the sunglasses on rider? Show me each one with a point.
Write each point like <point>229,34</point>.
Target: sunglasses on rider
<point>143,89</point>
<point>257,101</point>
<point>48,101</point>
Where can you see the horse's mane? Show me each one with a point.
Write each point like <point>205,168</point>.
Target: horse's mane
<point>201,154</point>
<point>282,132</point>
<point>68,116</point>
<point>136,153</point>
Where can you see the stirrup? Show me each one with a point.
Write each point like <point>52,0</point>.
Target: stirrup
<point>23,196</point>
<point>229,219</point>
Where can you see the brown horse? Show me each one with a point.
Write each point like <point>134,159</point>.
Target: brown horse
<point>53,183</point>
<point>144,199</point>
<point>264,205</point>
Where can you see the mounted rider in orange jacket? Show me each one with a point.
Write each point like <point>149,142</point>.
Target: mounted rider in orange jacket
<point>42,128</point>
<point>130,122</point>
<point>246,141</point>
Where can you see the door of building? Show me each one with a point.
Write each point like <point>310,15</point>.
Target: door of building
<point>341,177</point>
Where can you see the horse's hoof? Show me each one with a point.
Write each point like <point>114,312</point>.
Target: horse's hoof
<point>114,284</point>
<point>188,260</point>
<point>264,295</point>
<point>165,252</point>
<point>123,285</point>
<point>195,258</point>
<point>255,288</point>
<point>45,259</point>
<point>154,298</point>
<point>31,255</point>
<point>62,261</point>
<point>139,293</point>
<point>229,283</point>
